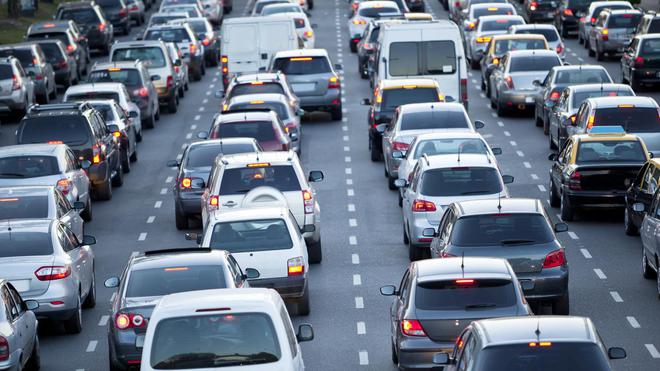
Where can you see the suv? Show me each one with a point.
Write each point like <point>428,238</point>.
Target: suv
<point>117,12</point>
<point>650,23</point>
<point>17,88</point>
<point>34,62</point>
<point>186,41</point>
<point>279,176</point>
<point>640,63</point>
<point>81,127</point>
<point>64,65</point>
<point>612,32</point>
<point>135,76</point>
<point>568,14</point>
<point>67,32</point>
<point>92,22</point>
<point>160,67</point>
<point>588,20</point>
<point>208,36</point>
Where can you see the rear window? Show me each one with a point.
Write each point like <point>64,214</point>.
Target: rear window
<point>153,57</point>
<point>654,27</point>
<point>549,34</point>
<point>574,356</point>
<point>168,35</point>
<point>435,119</point>
<point>650,47</point>
<point>302,65</point>
<point>460,181</point>
<point>599,9</point>
<point>500,24</point>
<point>25,244</point>
<point>393,98</point>
<point>633,120</point>
<point>501,230</point>
<point>23,55</point>
<point>204,155</point>
<point>583,76</point>
<point>243,180</point>
<point>198,26</point>
<point>52,52</point>
<point>161,19</point>
<point>262,131</point>
<point>173,279</point>
<point>6,72</point>
<point>280,9</point>
<point>465,294</point>
<point>80,16</point>
<point>23,207</point>
<point>450,146</point>
<point>126,76</point>
<point>62,36</point>
<point>108,3</point>
<point>503,46</point>
<point>581,96</point>
<point>610,151</point>
<point>492,10</point>
<point>624,21</point>
<point>277,107</point>
<point>439,57</point>
<point>252,235</point>
<point>72,130</point>
<point>92,95</point>
<point>106,111</point>
<point>376,12</point>
<point>21,167</point>
<point>533,63</point>
<point>262,88</point>
<point>259,6</point>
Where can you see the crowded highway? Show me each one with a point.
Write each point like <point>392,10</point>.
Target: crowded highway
<point>377,177</point>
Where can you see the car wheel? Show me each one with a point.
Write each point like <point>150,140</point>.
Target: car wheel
<point>336,113</point>
<point>633,83</point>
<point>180,218</point>
<point>125,163</point>
<point>474,64</point>
<point>86,214</point>
<point>303,307</point>
<point>647,271</point>
<point>53,94</point>
<point>395,358</point>
<point>352,46</point>
<point>590,51</point>
<point>551,143</point>
<point>118,179</point>
<point>629,226</point>
<point>156,115</point>
<point>586,43</point>
<point>537,120</point>
<point>657,284</point>
<point>182,93</point>
<point>414,253</point>
<point>580,39</point>
<point>149,123</point>
<point>566,210</point>
<point>483,83</point>
<point>172,105</point>
<point>599,54</point>
<point>500,110</point>
<point>562,30</point>
<point>406,239</point>
<point>203,69</point>
<point>90,300</point>
<point>375,154</point>
<point>34,363</point>
<point>73,325</point>
<point>315,252</point>
<point>400,200</point>
<point>104,191</point>
<point>561,306</point>
<point>555,201</point>
<point>390,183</point>
<point>134,155</point>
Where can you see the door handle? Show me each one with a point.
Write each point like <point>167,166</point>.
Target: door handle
<point>229,204</point>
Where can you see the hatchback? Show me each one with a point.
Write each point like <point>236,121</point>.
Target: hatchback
<point>208,37</point>
<point>640,63</point>
<point>122,128</point>
<point>186,40</point>
<point>117,13</point>
<point>67,32</point>
<point>612,32</point>
<point>36,65</point>
<point>64,65</point>
<point>259,83</point>
<point>92,22</point>
<point>16,88</point>
<point>19,341</point>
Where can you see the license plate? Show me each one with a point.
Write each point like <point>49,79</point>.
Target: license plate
<point>529,100</point>
<point>139,341</point>
<point>21,285</point>
<point>303,87</point>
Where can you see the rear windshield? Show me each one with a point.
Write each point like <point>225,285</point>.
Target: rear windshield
<point>92,95</point>
<point>25,244</point>
<point>204,155</point>
<point>62,36</point>
<point>562,355</point>
<point>215,341</point>
<point>610,151</point>
<point>549,34</point>
<point>109,3</point>
<point>161,19</point>
<point>581,96</point>
<point>126,76</point>
<point>191,11</point>
<point>460,181</point>
<point>21,167</point>
<point>500,24</point>
<point>80,16</point>
<point>376,12</point>
<point>650,46</point>
<point>253,235</point>
<point>168,35</point>
<point>154,57</point>
<point>302,65</point>
<point>624,20</point>
<point>422,58</point>
<point>633,120</point>
<point>599,9</point>
<point>170,280</point>
<point>23,207</point>
<point>435,119</point>
<point>52,52</point>
<point>262,4</point>
<point>106,111</point>
<point>583,76</point>
<point>72,130</point>
<point>277,107</point>
<point>654,27</point>
<point>23,55</point>
<point>501,230</point>
<point>280,9</point>
<point>533,63</point>
<point>393,98</point>
<point>465,294</point>
<point>243,180</point>
<point>450,146</point>
<point>6,72</point>
<point>262,131</point>
<point>263,88</point>
<point>503,46</point>
<point>492,10</point>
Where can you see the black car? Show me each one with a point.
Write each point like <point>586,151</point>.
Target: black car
<point>568,15</point>
<point>416,5</point>
<point>64,65</point>
<point>91,21</point>
<point>367,47</point>
<point>116,11</point>
<point>81,127</point>
<point>640,63</point>
<point>539,10</point>
<point>641,191</point>
<point>76,44</point>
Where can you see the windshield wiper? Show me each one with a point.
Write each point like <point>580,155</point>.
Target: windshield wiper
<point>480,306</point>
<point>515,242</point>
<point>244,359</point>
<point>475,193</point>
<point>13,174</point>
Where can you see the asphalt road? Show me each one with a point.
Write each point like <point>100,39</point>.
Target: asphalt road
<point>362,235</point>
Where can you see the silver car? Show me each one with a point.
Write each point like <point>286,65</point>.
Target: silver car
<point>186,40</point>
<point>181,70</point>
<point>487,27</point>
<point>586,22</point>
<point>613,32</point>
<point>46,262</point>
<point>547,30</point>
<point>33,60</point>
<point>16,88</point>
<point>649,234</point>
<point>19,349</point>
<point>47,165</point>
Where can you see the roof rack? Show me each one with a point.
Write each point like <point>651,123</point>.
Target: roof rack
<point>80,106</point>
<point>177,250</point>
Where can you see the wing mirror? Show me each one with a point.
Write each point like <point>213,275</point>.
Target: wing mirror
<point>315,176</point>
<point>400,183</point>
<point>173,163</point>
<point>31,304</point>
<point>88,240</point>
<point>339,67</point>
<point>111,282</point>
<point>305,333</point>
<point>308,228</point>
<point>203,135</point>
<point>536,82</point>
<point>616,353</point>
<point>552,157</point>
<point>441,358</point>
<point>113,128</point>
<point>133,114</point>
<point>561,227</point>
<point>638,207</point>
<point>399,154</point>
<point>155,77</point>
<point>382,128</point>
<point>251,273</point>
<point>496,151</point>
<point>300,112</point>
<point>366,102</point>
<point>194,237</point>
<point>388,290</point>
<point>507,179</point>
<point>219,94</point>
<point>478,124</point>
<point>78,205</point>
<point>429,232</point>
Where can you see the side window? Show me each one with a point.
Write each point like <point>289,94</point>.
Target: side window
<point>403,286</point>
<point>566,153</point>
<point>465,362</point>
<point>446,219</point>
<point>103,130</point>
<point>71,162</point>
<point>290,336</point>
<point>235,271</point>
<point>415,179</point>
<point>62,204</point>
<point>67,239</point>
<point>655,208</point>
<point>8,302</point>
<point>18,301</point>
<point>460,344</point>
<point>582,116</point>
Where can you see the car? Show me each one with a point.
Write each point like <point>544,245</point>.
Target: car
<point>263,124</point>
<point>117,13</point>
<point>259,83</point>
<point>368,45</point>
<point>213,11</point>
<point>303,27</point>
<point>563,113</point>
<point>650,23</point>
<point>638,64</point>
<point>159,18</point>
<point>197,3</point>
<point>136,11</point>
<point>517,229</point>
<point>192,10</point>
<point>193,172</point>
<point>500,45</point>
<point>19,339</point>
<point>568,16</point>
<point>235,179</point>
<point>36,65</point>
<point>557,80</point>
<point>64,65</point>
<point>209,37</point>
<point>92,22</point>
<point>647,230</point>
<point>17,94</point>
<point>438,298</point>
<point>269,240</point>
<point>387,97</point>
<point>364,13</point>
<point>83,129</point>
<point>595,170</point>
<point>63,30</point>
<point>487,27</point>
<point>539,10</point>
<point>122,128</point>
<point>159,65</point>
<point>48,165</point>
<point>186,40</point>
<point>548,31</point>
<point>588,20</point>
<point>47,263</point>
<point>181,69</point>
<point>641,191</point>
<point>416,5</point>
<point>470,19</point>
<point>313,78</point>
<point>516,81</point>
<point>280,105</point>
<point>154,274</point>
<point>612,32</point>
<point>135,77</point>
<point>255,323</point>
<point>414,119</point>
<point>436,182</point>
<point>460,10</point>
<point>259,5</point>
<point>558,342</point>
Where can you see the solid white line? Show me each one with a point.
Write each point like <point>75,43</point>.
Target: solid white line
<point>104,320</point>
<point>163,191</point>
<point>151,219</point>
<point>534,176</point>
<point>197,117</point>
<point>351,208</point>
<point>158,204</point>
<point>600,274</point>
<point>364,357</point>
<point>633,322</point>
<point>586,253</point>
<point>541,187</point>
<point>357,280</point>
<point>355,258</point>
<point>350,192</point>
<point>349,171</point>
<point>506,133</point>
<point>527,164</point>
<point>91,346</point>
<point>352,222</point>
<point>352,240</point>
<point>361,328</point>
<point>349,181</point>
<point>615,295</point>
<point>652,350</point>
<point>142,236</point>
<point>169,179</point>
<point>520,153</point>
<point>573,235</point>
<point>359,302</point>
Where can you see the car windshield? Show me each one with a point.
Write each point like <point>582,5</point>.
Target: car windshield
<point>280,9</point>
<point>581,96</point>
<point>503,46</point>
<point>465,294</point>
<point>448,146</point>
<point>582,76</point>
<point>214,341</point>
<point>633,119</point>
<point>628,20</point>
<point>26,166</point>
<point>106,111</point>
<point>501,229</point>
<point>243,180</point>
<point>492,10</point>
<point>651,47</point>
<point>610,151</point>
<point>549,33</point>
<point>460,181</point>
<point>257,88</point>
<point>302,65</point>
<point>53,53</point>
<point>127,76</point>
<point>153,57</point>
<point>72,130</point>
<point>80,16</point>
<point>412,58</point>
<point>23,207</point>
<point>23,55</point>
<point>175,35</point>
<point>89,95</point>
<point>251,236</point>
<point>262,131</point>
<point>19,243</point>
<point>6,72</point>
<point>393,98</point>
<point>374,12</point>
<point>434,119</point>
<point>202,156</point>
<point>533,63</point>
<point>499,24</point>
<point>172,279</point>
<point>278,107</point>
<point>562,355</point>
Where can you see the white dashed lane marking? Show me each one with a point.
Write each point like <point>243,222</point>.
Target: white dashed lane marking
<point>534,176</point>
<point>359,302</point>
<point>169,179</point>
<point>91,346</point>
<point>104,320</point>
<point>351,208</point>
<point>520,153</point>
<point>615,295</point>
<point>355,258</point>
<point>349,171</point>
<point>652,350</point>
<point>163,191</point>
<point>364,358</point>
<point>541,187</point>
<point>142,236</point>
<point>357,280</point>
<point>151,219</point>
<point>352,222</point>
<point>527,164</point>
<point>158,204</point>
<point>586,253</point>
<point>352,240</point>
<point>600,274</point>
<point>350,192</point>
<point>633,322</point>
<point>361,328</point>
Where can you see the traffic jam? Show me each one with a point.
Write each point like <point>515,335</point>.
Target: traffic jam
<point>164,164</point>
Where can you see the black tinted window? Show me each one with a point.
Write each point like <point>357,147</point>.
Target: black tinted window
<point>243,180</point>
<point>393,98</point>
<point>23,55</point>
<point>549,34</point>
<point>465,294</point>
<point>203,156</point>
<point>6,72</point>
<point>19,243</point>
<point>252,235</point>
<point>279,108</point>
<point>168,35</point>
<point>650,47</point>
<point>80,16</point>
<point>106,111</point>
<point>460,181</point>
<point>92,95</point>
<point>303,65</point>
<point>264,88</point>
<point>170,280</point>
<point>623,151</point>
<point>654,27</point>
<point>262,131</point>
<point>579,97</point>
<point>434,119</point>
<point>558,356</point>
<point>533,63</point>
<point>374,35</point>
<point>23,207</point>
<point>53,35</point>
<point>376,12</point>
<point>20,167</point>
<point>492,11</point>
<point>109,3</point>
<point>404,59</point>
<point>440,57</point>
<point>500,24</point>
<point>262,4</point>
<point>72,130</point>
<point>624,21</point>
<point>128,77</point>
<point>501,229</point>
<point>582,76</point>
<point>633,120</point>
<point>503,46</point>
<point>153,57</point>
<point>450,146</point>
<point>52,52</point>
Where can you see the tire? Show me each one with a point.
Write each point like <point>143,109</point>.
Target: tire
<point>118,179</point>
<point>390,184</point>
<point>126,164</point>
<point>104,192</point>
<point>90,300</point>
<point>182,93</point>
<point>500,110</point>
<point>34,363</point>
<point>551,143</point>
<point>73,325</point>
<point>580,39</point>
<point>149,124</point>
<point>400,200</point>
<point>352,46</point>
<point>587,45</point>
<point>375,155</point>
<point>197,75</point>
<point>406,239</point>
<point>600,56</point>
<point>395,358</point>
<point>414,253</point>
<point>562,30</point>
<point>203,69</point>
<point>315,253</point>
<point>86,214</point>
<point>336,113</point>
<point>474,64</point>
<point>303,306</point>
<point>561,306</point>
<point>180,218</point>
<point>657,284</point>
<point>134,156</point>
<point>53,95</point>
<point>43,99</point>
<point>591,52</point>
<point>555,201</point>
<point>483,83</point>
<point>629,226</point>
<point>633,83</point>
<point>156,115</point>
<point>172,105</point>
<point>567,212</point>
<point>538,121</point>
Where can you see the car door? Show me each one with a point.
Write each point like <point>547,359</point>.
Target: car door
<point>389,134</point>
<point>648,229</point>
<point>18,331</point>
<point>553,115</point>
<point>26,320</point>
<point>108,141</point>
<point>77,177</point>
<point>68,215</point>
<point>643,190</point>
<point>543,94</point>
<point>559,165</point>
<point>628,58</point>
<point>496,77</point>
<point>78,257</point>
<point>408,193</point>
<point>397,310</point>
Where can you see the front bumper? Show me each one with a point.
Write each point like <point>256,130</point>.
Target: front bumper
<point>287,287</point>
<point>548,284</point>
<point>417,353</point>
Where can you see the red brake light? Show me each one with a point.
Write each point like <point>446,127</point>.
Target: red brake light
<point>560,48</point>
<point>533,5</point>
<point>509,82</point>
<point>333,83</point>
<point>554,259</point>
<point>52,273</point>
<point>457,4</point>
<point>4,349</point>
<point>142,92</point>
<point>295,266</point>
<point>568,12</point>
<point>593,19</point>
<point>15,84</point>
<point>412,327</point>
<point>400,146</point>
<point>639,61</point>
<point>123,12</point>
<point>464,91</point>
<point>214,201</point>
<point>206,42</point>
<point>70,48</point>
<point>422,206</point>
<point>170,82</point>
<point>64,186</point>
<point>445,254</point>
<point>125,321</point>
<point>464,282</point>
<point>308,200</point>
<point>102,26</point>
<point>574,181</point>
<point>225,69</point>
<point>554,95</point>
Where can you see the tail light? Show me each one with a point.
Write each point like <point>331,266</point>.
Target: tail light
<point>225,61</point>
<point>560,48</point>
<point>593,19</point>
<point>116,134</point>
<point>368,46</point>
<point>639,62</point>
<point>472,25</point>
<point>192,48</point>
<point>400,146</point>
<point>187,183</point>
<point>533,5</point>
<point>70,48</point>
<point>496,61</point>
<point>308,200</point>
<point>423,206</point>
<point>123,12</point>
<point>309,34</point>
<point>568,12</point>
<point>483,39</point>
<point>214,202</point>
<point>333,83</point>
<point>63,64</point>
<point>354,6</point>
<point>52,273</point>
<point>509,82</point>
<point>125,321</point>
<point>206,41</point>
<point>604,34</point>
<point>170,82</point>
<point>142,92</point>
<point>412,327</point>
<point>555,259</point>
<point>133,8</point>
<point>15,83</point>
<point>554,96</point>
<point>64,185</point>
<point>464,91</point>
<point>102,26</point>
<point>590,122</point>
<point>574,181</point>
<point>96,154</point>
<point>4,349</point>
<point>359,21</point>
<point>177,69</point>
<point>457,4</point>
<point>295,266</point>
<point>39,77</point>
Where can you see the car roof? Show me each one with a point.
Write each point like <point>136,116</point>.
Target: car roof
<point>213,142</point>
<point>26,225</point>
<point>623,11</point>
<point>25,190</point>
<point>456,268</point>
<point>249,213</point>
<point>532,53</point>
<point>174,258</point>
<point>533,26</point>
<point>494,18</point>
<point>261,76</point>
<point>518,36</point>
<point>427,107</point>
<point>610,102</point>
<point>76,4</point>
<point>508,206</point>
<point>377,4</point>
<point>453,160</point>
<point>240,159</point>
<point>32,149</point>
<point>491,5</point>
<point>613,137</point>
<point>598,3</point>
<point>94,86</point>
<point>166,26</point>
<point>649,35</point>
<point>246,115</point>
<point>400,83</point>
<point>517,330</point>
<point>592,87</point>
<point>579,67</point>
<point>25,45</point>
<point>50,25</point>
<point>301,53</point>
<point>266,97</point>
<point>449,134</point>
<point>117,64</point>
<point>236,300</point>
<point>137,44</point>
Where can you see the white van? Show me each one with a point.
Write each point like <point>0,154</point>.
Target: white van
<point>249,42</point>
<point>430,49</point>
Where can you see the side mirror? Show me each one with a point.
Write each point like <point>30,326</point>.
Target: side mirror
<point>251,273</point>
<point>219,94</point>
<point>552,157</point>
<point>300,112</point>
<point>308,228</point>
<point>173,163</point>
<point>155,77</point>
<point>441,358</point>
<point>573,120</point>
<point>400,183</point>
<point>398,154</point>
<point>616,353</point>
<point>315,176</point>
<point>382,128</point>
<point>314,26</point>
<point>338,67</point>
<point>496,151</point>
<point>203,135</point>
<point>638,207</point>
<point>305,333</point>
<point>78,205</point>
<point>85,164</point>
<point>197,183</point>
<point>133,114</point>
<point>178,63</point>
<point>388,290</point>
<point>112,128</point>
<point>191,237</point>
<point>429,232</point>
<point>651,155</point>
<point>366,102</point>
<point>561,227</point>
<point>478,124</point>
<point>31,304</point>
<point>293,136</point>
<point>88,240</point>
<point>507,179</point>
<point>536,82</point>
<point>111,282</point>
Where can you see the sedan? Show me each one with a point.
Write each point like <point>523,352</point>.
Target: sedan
<point>19,341</point>
<point>650,247</point>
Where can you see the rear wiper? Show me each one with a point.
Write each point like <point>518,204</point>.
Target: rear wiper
<point>515,242</point>
<point>478,306</point>
<point>474,193</point>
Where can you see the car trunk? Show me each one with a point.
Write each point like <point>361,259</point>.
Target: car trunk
<point>269,263</point>
<point>607,177</point>
<point>20,272</point>
<point>293,198</point>
<point>143,306</point>
<point>309,85</point>
<point>525,80</point>
<point>524,258</point>
<point>6,84</point>
<point>199,172</point>
<point>447,328</point>
<point>651,61</point>
<point>442,203</point>
<point>623,35</point>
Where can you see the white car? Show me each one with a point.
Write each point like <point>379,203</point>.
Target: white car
<point>303,27</point>
<point>547,30</point>
<point>269,240</point>
<point>366,12</point>
<point>228,329</point>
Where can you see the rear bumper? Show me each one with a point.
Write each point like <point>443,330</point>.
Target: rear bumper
<point>123,352</point>
<point>647,75</point>
<point>548,284</point>
<point>65,291</point>
<point>287,287</point>
<point>597,198</point>
<point>541,15</point>
<point>331,99</point>
<point>417,353</point>
<point>165,95</point>
<point>12,103</point>
<point>613,46</point>
<point>189,203</point>
<point>63,77</point>
<point>99,173</point>
<point>570,24</point>
<point>520,99</point>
